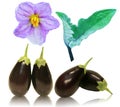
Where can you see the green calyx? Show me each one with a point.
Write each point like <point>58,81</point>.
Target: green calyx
<point>85,65</point>
<point>25,58</point>
<point>40,61</point>
<point>102,85</point>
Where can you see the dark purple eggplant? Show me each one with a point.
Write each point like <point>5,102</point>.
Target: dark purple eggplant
<point>94,82</point>
<point>41,76</point>
<point>68,82</point>
<point>20,76</point>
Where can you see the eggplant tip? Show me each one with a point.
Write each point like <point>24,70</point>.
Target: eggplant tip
<point>107,89</point>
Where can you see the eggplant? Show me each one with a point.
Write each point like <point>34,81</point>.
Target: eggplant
<point>20,76</point>
<point>41,76</point>
<point>94,82</point>
<point>68,82</point>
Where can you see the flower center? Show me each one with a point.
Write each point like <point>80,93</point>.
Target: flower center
<point>34,20</point>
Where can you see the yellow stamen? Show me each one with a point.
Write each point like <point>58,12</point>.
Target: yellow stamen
<point>35,20</point>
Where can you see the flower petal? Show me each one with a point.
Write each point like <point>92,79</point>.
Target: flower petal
<point>24,10</point>
<point>23,30</point>
<point>43,9</point>
<point>38,36</point>
<point>49,23</point>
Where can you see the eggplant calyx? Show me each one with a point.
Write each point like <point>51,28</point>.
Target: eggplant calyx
<point>102,85</point>
<point>41,61</point>
<point>25,58</point>
<point>85,65</point>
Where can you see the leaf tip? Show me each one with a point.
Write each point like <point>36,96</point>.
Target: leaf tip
<point>59,13</point>
<point>114,10</point>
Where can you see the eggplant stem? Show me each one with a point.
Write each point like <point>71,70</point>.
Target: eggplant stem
<point>70,53</point>
<point>40,61</point>
<point>107,89</point>
<point>41,55</point>
<point>25,54</point>
<point>85,65</point>
<point>25,58</point>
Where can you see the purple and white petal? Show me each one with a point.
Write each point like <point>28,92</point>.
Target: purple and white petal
<point>23,30</point>
<point>38,36</point>
<point>24,10</point>
<point>49,23</point>
<point>43,9</point>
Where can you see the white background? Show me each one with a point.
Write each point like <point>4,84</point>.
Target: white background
<point>103,46</point>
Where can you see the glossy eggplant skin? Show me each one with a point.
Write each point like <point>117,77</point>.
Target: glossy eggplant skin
<point>20,78</point>
<point>89,81</point>
<point>68,82</point>
<point>42,79</point>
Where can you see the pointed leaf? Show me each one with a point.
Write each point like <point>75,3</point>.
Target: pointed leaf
<point>68,33</point>
<point>73,35</point>
<point>96,21</point>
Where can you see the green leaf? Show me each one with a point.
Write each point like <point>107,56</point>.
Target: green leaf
<point>67,27</point>
<point>68,32</point>
<point>74,34</point>
<point>96,21</point>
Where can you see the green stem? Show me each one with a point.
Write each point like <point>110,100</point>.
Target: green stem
<point>25,58</point>
<point>85,65</point>
<point>41,61</point>
<point>70,53</point>
<point>26,49</point>
<point>41,55</point>
<point>107,89</point>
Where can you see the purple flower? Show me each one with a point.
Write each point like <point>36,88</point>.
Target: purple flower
<point>35,21</point>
